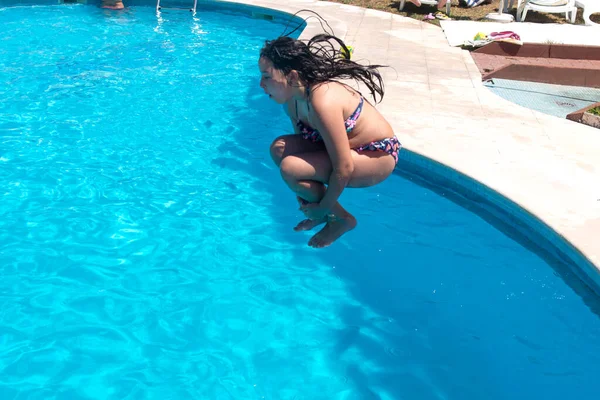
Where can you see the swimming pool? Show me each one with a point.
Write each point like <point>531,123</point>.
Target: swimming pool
<point>146,247</point>
<point>556,100</point>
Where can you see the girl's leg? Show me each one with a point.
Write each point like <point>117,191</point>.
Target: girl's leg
<point>287,145</point>
<point>306,173</point>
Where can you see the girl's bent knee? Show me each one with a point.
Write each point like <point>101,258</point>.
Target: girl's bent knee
<point>277,149</point>
<point>287,168</point>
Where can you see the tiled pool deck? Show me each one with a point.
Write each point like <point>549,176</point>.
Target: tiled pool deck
<point>439,108</point>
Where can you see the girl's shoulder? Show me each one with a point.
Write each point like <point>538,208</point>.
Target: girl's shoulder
<point>333,88</point>
<point>331,93</point>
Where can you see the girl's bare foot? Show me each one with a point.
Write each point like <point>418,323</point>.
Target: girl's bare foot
<point>334,229</point>
<point>308,224</point>
<point>416,2</point>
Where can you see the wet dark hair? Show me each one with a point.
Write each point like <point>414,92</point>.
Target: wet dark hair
<point>318,60</point>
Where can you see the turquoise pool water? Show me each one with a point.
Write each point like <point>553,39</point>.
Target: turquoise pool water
<point>147,251</point>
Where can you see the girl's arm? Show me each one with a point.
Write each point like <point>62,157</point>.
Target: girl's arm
<point>329,120</point>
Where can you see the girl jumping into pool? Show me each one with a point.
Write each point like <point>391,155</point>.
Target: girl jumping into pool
<point>340,139</point>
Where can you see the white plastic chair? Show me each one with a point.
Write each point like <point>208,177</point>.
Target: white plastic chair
<point>589,7</point>
<point>428,2</point>
<point>546,6</point>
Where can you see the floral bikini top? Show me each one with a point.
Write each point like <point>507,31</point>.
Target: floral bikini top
<point>314,135</point>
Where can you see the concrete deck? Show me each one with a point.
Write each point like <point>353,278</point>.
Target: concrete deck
<point>440,109</point>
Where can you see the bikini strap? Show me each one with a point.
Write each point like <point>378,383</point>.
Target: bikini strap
<point>297,116</point>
